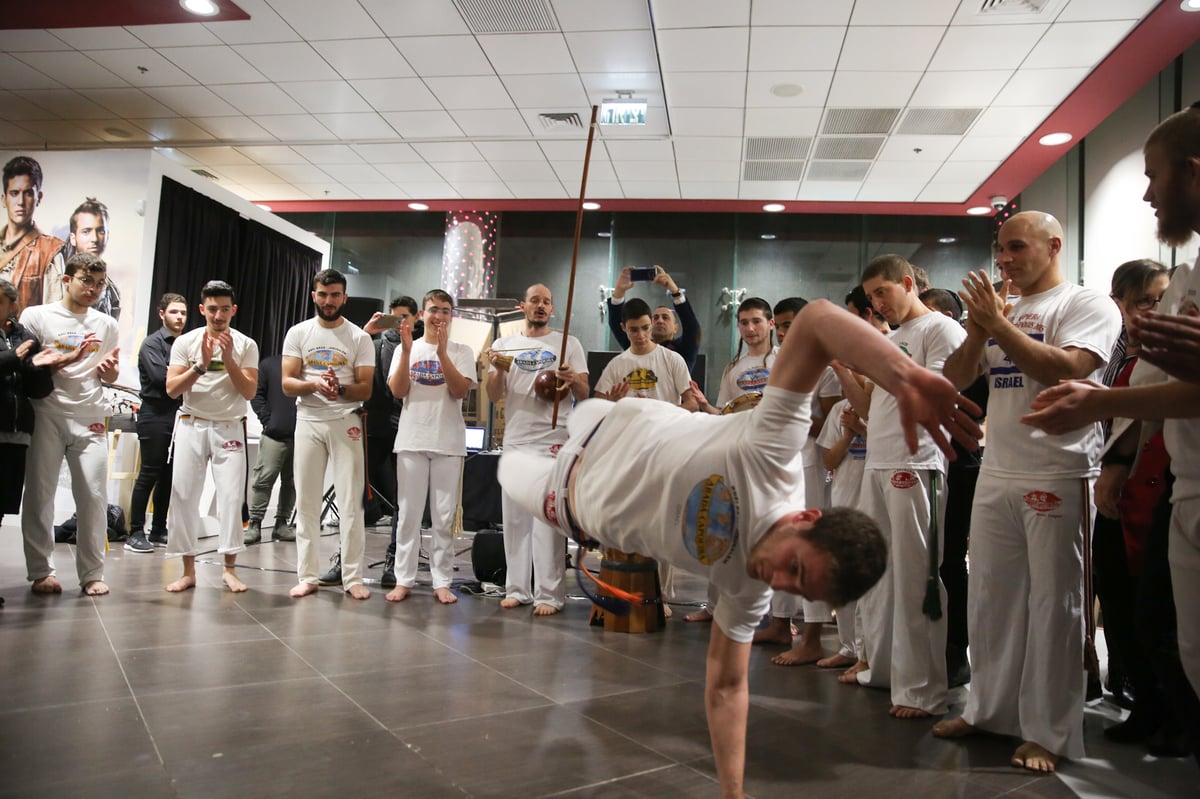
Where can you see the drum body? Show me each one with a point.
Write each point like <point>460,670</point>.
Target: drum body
<point>636,574</point>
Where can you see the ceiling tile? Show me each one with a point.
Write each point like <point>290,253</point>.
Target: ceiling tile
<point>14,135</point>
<point>327,19</point>
<point>874,49</point>
<point>902,171</point>
<point>390,153</point>
<point>707,121</point>
<point>695,50</point>
<point>986,148</point>
<point>173,129</point>
<point>605,83</point>
<point>947,192</point>
<point>828,191</point>
<point>56,132</point>
<point>375,191</point>
<point>872,89</point>
<point>459,171</point>
<point>416,17</point>
<point>16,108</point>
<point>699,171</point>
<point>528,53</point>
<point>571,172</point>
<point>178,156</point>
<point>500,122</point>
<point>98,38</point>
<point>959,89</point>
<point>129,102</point>
<point>299,173</point>
<point>484,190</point>
<point>814,89</point>
<point>264,25</point>
<point>705,190</point>
<point>1077,44</point>
<point>1039,86</point>
<point>545,90</point>
<point>533,189</point>
<point>327,97</point>
<point>357,126</point>
<point>711,89</point>
<point>72,69</point>
<point>782,121</point>
<point>510,151</point>
<point>277,191</point>
<point>28,41</point>
<point>1014,121</point>
<point>271,154</point>
<point>524,170</point>
<point>129,64</point>
<point>117,131</point>
<point>645,170</point>
<point>889,192</point>
<point>233,128</point>
<point>613,51</point>
<point>364,58</point>
<point>249,174</point>
<point>295,127</point>
<point>191,101</point>
<point>597,189</point>
<point>789,49</point>
<point>610,15</point>
<point>572,151</point>
<point>327,191</point>
<point>183,34</point>
<point>933,149</point>
<point>965,171</point>
<point>15,74</point>
<point>708,149</point>
<point>404,174</point>
<point>651,189</point>
<point>448,151</point>
<point>258,98</point>
<point>640,150</point>
<point>789,12</point>
<point>541,131</point>
<point>889,12</point>
<point>357,173</point>
<point>1006,46</point>
<point>217,156</point>
<point>470,92</point>
<point>769,190</point>
<point>397,94</point>
<point>700,13</point>
<point>445,55</point>
<point>322,154</point>
<point>430,190</point>
<point>65,104</point>
<point>290,61</point>
<point>216,64</point>
<point>1082,10</point>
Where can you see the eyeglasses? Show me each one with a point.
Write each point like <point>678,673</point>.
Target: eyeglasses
<point>90,283</point>
<point>1147,303</point>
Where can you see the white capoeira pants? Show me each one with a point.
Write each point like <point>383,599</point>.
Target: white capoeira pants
<point>84,443</point>
<point>1184,555</point>
<point>849,626</point>
<point>196,444</point>
<point>1025,609</point>
<point>419,474</point>
<point>906,649</point>
<point>816,495</point>
<point>319,443</point>
<point>531,544</point>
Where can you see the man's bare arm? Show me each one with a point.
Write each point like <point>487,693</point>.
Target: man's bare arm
<point>726,704</point>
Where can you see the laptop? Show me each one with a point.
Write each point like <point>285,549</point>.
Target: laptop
<point>476,439</point>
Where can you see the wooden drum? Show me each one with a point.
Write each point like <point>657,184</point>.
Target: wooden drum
<point>636,574</point>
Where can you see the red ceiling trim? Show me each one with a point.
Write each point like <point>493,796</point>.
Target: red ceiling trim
<point>678,206</point>
<point>92,14</point>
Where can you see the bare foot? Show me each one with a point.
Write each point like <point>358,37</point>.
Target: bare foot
<point>850,675</point>
<point>1034,757</point>
<point>701,616</point>
<point>905,712</point>
<point>838,661</point>
<point>954,728</point>
<point>47,585</point>
<point>95,588</point>
<point>799,655</point>
<point>358,591</point>
<point>508,603</point>
<point>230,579</point>
<point>182,584</point>
<point>445,596</point>
<point>775,634</point>
<point>398,594</point>
<point>303,589</point>
<point>544,610</point>
<point>667,612</point>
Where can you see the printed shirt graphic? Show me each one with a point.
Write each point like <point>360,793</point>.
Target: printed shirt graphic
<point>213,395</point>
<point>701,492</point>
<point>526,417</point>
<point>746,375</point>
<point>78,391</point>
<point>846,485</point>
<point>1064,316</point>
<point>659,374</point>
<point>344,348</point>
<point>432,421</point>
<point>1182,436</point>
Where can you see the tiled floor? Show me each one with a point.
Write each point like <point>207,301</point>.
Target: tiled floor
<point>207,694</point>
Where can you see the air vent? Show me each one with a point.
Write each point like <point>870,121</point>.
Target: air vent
<point>860,120</point>
<point>849,147</point>
<point>560,120</point>
<point>1013,6</point>
<point>938,121</point>
<point>777,148</point>
<point>838,170</point>
<point>204,173</point>
<point>773,170</point>
<point>508,16</point>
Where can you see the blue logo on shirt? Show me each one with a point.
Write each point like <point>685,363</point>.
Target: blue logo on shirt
<point>534,360</point>
<point>710,519</point>
<point>427,373</point>
<point>753,379</point>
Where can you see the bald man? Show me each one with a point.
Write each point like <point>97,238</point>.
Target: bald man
<point>1028,522</point>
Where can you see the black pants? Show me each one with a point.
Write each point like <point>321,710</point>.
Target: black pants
<point>960,495</point>
<point>12,476</point>
<point>381,473</point>
<point>153,478</point>
<point>1117,591</point>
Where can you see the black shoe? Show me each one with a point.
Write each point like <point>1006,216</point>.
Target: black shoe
<point>334,575</point>
<point>253,533</point>
<point>1166,744</point>
<point>136,542</point>
<point>1095,691</point>
<point>1132,730</point>
<point>1123,695</point>
<point>282,531</point>
<point>158,538</point>
<point>388,580</point>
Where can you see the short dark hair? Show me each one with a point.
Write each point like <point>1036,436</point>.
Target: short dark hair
<point>944,300</point>
<point>84,262</point>
<point>8,290</point>
<point>169,298</point>
<point>635,308</point>
<point>90,206</point>
<point>436,294</point>
<point>921,278</point>
<point>23,165</point>
<point>858,296</point>
<point>892,268</point>
<point>857,552</point>
<point>755,304</point>
<point>217,288</point>
<point>404,301</point>
<point>328,277</point>
<point>792,305</point>
<point>1135,276</point>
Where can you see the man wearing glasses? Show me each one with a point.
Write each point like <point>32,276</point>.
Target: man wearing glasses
<point>82,352</point>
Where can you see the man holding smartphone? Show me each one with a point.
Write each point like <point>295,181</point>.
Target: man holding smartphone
<point>665,330</point>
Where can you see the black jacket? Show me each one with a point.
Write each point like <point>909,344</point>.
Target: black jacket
<point>383,410</point>
<point>275,410</point>
<point>20,381</point>
<point>153,360</point>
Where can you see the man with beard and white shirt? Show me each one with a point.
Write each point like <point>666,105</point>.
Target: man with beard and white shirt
<point>528,542</point>
<point>329,365</point>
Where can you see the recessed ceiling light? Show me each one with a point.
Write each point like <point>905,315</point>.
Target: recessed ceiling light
<point>591,206</point>
<point>418,206</point>
<point>604,234</point>
<point>947,240</point>
<point>119,133</point>
<point>979,210</point>
<point>787,89</point>
<point>1052,139</point>
<point>202,8</point>
<point>767,236</point>
<point>773,208</point>
<point>1190,5</point>
<point>263,206</point>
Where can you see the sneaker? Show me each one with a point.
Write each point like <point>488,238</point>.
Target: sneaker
<point>388,580</point>
<point>136,542</point>
<point>334,575</point>
<point>282,531</point>
<point>253,533</point>
<point>158,538</point>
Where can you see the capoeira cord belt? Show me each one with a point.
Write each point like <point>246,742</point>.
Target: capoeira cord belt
<point>932,606</point>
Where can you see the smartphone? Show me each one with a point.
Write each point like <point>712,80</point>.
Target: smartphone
<point>388,321</point>
<point>643,274</point>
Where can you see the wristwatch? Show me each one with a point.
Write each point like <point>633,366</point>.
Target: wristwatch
<point>677,294</point>
<point>341,391</point>
<point>198,369</point>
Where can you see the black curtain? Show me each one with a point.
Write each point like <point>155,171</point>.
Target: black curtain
<point>201,240</point>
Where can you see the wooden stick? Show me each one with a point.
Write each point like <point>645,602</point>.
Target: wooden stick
<point>587,159</point>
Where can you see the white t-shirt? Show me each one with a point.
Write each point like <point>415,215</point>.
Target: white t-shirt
<point>213,396</point>
<point>846,485</point>
<point>433,419</point>
<point>1064,316</point>
<point>1182,436</point>
<point>345,348</point>
<point>659,374</point>
<point>746,375</point>
<point>929,340</point>
<point>700,491</point>
<point>78,391</point>
<point>527,417</point>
